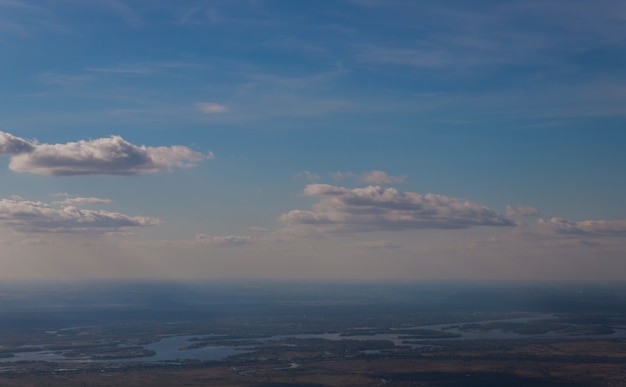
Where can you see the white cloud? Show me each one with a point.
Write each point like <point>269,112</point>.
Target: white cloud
<point>12,145</point>
<point>81,200</point>
<point>211,108</point>
<point>585,227</point>
<point>104,156</point>
<point>381,178</point>
<point>377,208</point>
<point>29,216</point>
<point>308,175</point>
<point>343,175</point>
<point>230,240</point>
<point>372,177</point>
<point>143,68</point>
<point>521,211</point>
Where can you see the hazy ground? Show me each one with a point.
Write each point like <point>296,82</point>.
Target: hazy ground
<point>312,334</point>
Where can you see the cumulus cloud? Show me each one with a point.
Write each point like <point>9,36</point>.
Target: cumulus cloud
<point>585,227</point>
<point>12,145</point>
<point>381,178</point>
<point>521,211</point>
<point>377,208</point>
<point>211,108</point>
<point>104,156</point>
<point>230,240</point>
<point>39,217</point>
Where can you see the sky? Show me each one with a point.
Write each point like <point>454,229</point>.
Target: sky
<point>348,140</point>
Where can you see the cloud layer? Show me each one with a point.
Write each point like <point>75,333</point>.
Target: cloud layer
<point>104,156</point>
<point>374,177</point>
<point>381,178</point>
<point>376,208</point>
<point>39,217</point>
<point>229,240</point>
<point>81,200</point>
<point>521,211</point>
<point>585,227</point>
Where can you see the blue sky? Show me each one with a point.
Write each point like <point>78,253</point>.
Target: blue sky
<point>344,140</point>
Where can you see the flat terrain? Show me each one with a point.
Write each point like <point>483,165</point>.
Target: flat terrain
<point>318,335</point>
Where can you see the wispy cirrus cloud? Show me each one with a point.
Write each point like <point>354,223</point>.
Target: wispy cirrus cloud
<point>376,208</point>
<point>39,217</point>
<point>104,156</point>
<point>463,36</point>
<point>57,79</point>
<point>23,19</point>
<point>143,68</point>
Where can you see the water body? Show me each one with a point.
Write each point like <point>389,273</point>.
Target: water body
<point>169,348</point>
<point>494,334</point>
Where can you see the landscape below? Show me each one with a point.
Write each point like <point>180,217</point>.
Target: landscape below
<point>312,334</point>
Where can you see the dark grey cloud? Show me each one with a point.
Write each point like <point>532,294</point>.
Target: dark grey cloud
<point>377,208</point>
<point>104,156</point>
